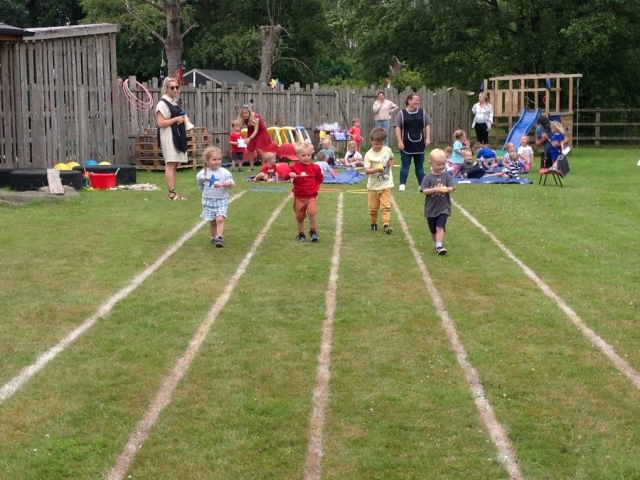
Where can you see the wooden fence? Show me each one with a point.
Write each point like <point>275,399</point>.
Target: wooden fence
<point>56,100</point>
<point>60,102</point>
<point>607,126</point>
<point>310,106</point>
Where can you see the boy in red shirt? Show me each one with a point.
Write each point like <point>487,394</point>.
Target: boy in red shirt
<point>236,140</point>
<point>307,178</point>
<point>355,133</point>
<point>268,170</point>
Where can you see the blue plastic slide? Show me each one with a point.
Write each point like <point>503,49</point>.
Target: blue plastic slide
<point>527,120</point>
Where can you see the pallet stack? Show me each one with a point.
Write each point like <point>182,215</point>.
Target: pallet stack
<point>149,155</point>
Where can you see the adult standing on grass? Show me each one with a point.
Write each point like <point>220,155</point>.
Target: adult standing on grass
<point>172,135</point>
<point>257,134</point>
<point>413,132</point>
<point>382,110</point>
<point>482,119</point>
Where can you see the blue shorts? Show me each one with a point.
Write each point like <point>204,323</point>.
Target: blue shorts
<point>437,222</point>
<point>213,208</point>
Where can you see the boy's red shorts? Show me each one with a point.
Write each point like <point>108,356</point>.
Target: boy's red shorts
<point>304,207</point>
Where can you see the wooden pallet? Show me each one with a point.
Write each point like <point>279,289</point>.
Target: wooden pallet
<point>157,164</point>
<point>149,155</point>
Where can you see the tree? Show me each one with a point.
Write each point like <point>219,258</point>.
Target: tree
<point>173,40</point>
<point>14,13</point>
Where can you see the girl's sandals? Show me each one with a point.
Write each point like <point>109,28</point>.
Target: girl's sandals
<point>174,196</point>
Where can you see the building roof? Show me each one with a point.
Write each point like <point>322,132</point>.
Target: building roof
<point>230,77</point>
<point>9,31</point>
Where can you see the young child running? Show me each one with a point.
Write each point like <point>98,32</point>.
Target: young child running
<point>214,182</point>
<point>236,140</point>
<point>437,185</point>
<point>307,178</point>
<point>378,164</point>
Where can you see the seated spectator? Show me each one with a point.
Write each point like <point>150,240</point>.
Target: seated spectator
<point>470,168</point>
<point>525,154</point>
<point>450,167</point>
<point>352,158</point>
<point>328,150</point>
<point>327,171</point>
<point>268,171</point>
<point>510,167</point>
<point>486,156</point>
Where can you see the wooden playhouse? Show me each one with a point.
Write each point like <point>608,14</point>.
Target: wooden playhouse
<point>552,93</point>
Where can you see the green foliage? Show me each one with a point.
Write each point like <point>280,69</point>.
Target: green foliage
<point>443,43</point>
<point>14,13</point>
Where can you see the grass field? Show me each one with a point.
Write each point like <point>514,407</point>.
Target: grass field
<point>132,348</point>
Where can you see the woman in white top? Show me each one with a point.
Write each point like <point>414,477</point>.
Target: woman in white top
<point>382,110</point>
<point>172,136</point>
<point>483,119</point>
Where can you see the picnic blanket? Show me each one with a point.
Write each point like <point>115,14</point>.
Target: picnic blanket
<point>346,177</point>
<point>486,179</point>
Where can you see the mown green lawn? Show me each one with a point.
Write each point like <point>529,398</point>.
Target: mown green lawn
<point>399,405</point>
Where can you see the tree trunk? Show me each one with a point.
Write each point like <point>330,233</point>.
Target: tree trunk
<point>173,42</point>
<point>268,35</point>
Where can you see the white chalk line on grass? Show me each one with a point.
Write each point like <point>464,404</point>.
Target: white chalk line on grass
<point>164,395</point>
<point>12,386</point>
<point>506,452</point>
<point>621,364</point>
<point>313,462</point>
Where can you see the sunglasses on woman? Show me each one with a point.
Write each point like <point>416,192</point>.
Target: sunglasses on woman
<point>174,87</point>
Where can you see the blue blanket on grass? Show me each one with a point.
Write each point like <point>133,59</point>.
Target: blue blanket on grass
<point>486,179</point>
<point>346,177</point>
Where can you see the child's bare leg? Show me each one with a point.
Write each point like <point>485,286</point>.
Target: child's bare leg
<point>313,221</point>
<point>300,226</point>
<point>212,225</point>
<point>439,235</point>
<point>220,225</point>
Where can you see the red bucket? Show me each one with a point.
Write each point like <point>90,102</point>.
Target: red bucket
<point>103,181</point>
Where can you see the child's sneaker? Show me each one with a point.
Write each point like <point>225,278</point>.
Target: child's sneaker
<point>314,236</point>
<point>388,230</point>
<point>219,243</point>
<point>441,251</point>
<point>402,187</point>
<point>374,227</point>
<point>301,237</point>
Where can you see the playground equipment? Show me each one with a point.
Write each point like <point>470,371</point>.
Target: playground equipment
<point>550,94</point>
<point>523,126</point>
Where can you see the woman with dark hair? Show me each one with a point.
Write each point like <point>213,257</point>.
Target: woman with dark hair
<point>413,132</point>
<point>382,110</point>
<point>172,136</point>
<point>482,119</point>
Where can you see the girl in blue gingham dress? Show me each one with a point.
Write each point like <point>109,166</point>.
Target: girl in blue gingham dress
<point>214,182</point>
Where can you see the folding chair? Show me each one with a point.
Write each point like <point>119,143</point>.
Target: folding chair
<point>559,173</point>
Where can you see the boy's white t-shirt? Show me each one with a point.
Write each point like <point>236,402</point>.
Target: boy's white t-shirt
<point>527,152</point>
<point>384,179</point>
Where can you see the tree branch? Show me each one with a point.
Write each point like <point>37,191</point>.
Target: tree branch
<point>142,22</point>
<point>189,29</point>
<point>152,3</point>
<point>294,60</point>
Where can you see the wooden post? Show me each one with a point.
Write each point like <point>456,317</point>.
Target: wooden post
<point>597,130</point>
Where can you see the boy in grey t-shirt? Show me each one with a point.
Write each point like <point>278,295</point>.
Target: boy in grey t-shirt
<point>437,185</point>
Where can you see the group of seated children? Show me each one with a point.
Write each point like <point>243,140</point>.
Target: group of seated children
<point>352,157</point>
<point>461,161</point>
